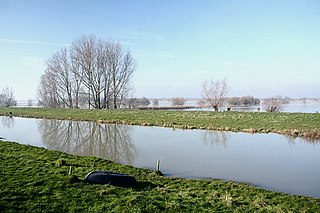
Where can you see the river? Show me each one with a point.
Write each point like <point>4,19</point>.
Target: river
<point>269,161</point>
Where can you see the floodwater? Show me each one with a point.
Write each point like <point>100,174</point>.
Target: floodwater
<point>269,161</point>
<point>306,106</point>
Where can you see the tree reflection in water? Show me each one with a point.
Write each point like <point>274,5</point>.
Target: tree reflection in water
<point>215,138</point>
<point>108,141</point>
<point>7,122</point>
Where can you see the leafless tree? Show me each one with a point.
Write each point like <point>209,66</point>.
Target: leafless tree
<point>30,102</point>
<point>133,103</point>
<point>214,92</point>
<point>178,101</point>
<point>274,104</point>
<point>58,66</point>
<point>93,68</point>
<point>7,98</point>
<point>47,91</point>
<point>85,54</point>
<point>155,102</point>
<point>120,67</point>
<point>76,78</point>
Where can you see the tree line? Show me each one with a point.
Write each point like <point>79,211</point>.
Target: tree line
<point>92,72</point>
<point>243,101</point>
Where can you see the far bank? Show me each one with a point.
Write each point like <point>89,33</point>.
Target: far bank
<point>305,125</point>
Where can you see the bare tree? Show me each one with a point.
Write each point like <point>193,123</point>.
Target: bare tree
<point>30,102</point>
<point>136,102</point>
<point>76,78</point>
<point>243,101</point>
<point>274,104</point>
<point>58,66</point>
<point>85,55</point>
<point>178,101</point>
<point>214,92</point>
<point>93,68</point>
<point>120,67</point>
<point>155,102</point>
<point>47,91</point>
<point>7,97</point>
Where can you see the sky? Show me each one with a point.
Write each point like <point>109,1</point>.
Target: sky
<point>263,48</point>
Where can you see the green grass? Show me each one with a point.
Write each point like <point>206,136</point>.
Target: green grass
<point>305,125</point>
<point>34,179</point>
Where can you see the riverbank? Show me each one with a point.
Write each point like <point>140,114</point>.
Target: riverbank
<point>37,180</point>
<point>306,125</point>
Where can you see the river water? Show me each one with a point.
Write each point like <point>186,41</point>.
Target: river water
<point>270,161</point>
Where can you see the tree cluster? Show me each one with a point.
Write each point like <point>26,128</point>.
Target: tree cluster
<point>136,102</point>
<point>91,71</point>
<point>7,98</point>
<point>243,101</point>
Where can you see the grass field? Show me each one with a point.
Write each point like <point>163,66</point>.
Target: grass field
<point>305,125</point>
<point>37,180</point>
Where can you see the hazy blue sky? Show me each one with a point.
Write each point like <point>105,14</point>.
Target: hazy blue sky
<point>264,48</point>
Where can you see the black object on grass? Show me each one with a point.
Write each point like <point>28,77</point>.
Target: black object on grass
<point>112,178</point>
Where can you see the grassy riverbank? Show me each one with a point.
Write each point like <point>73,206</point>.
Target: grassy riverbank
<point>293,124</point>
<point>36,180</point>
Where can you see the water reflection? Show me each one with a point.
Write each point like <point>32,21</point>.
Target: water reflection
<point>7,122</point>
<point>215,138</point>
<point>108,141</point>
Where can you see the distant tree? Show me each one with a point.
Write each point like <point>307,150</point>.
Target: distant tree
<point>243,101</point>
<point>178,101</point>
<point>274,104</point>
<point>47,92</point>
<point>155,102</point>
<point>201,103</point>
<point>7,98</point>
<point>30,102</point>
<point>136,102</point>
<point>143,101</point>
<point>285,100</point>
<point>214,92</point>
